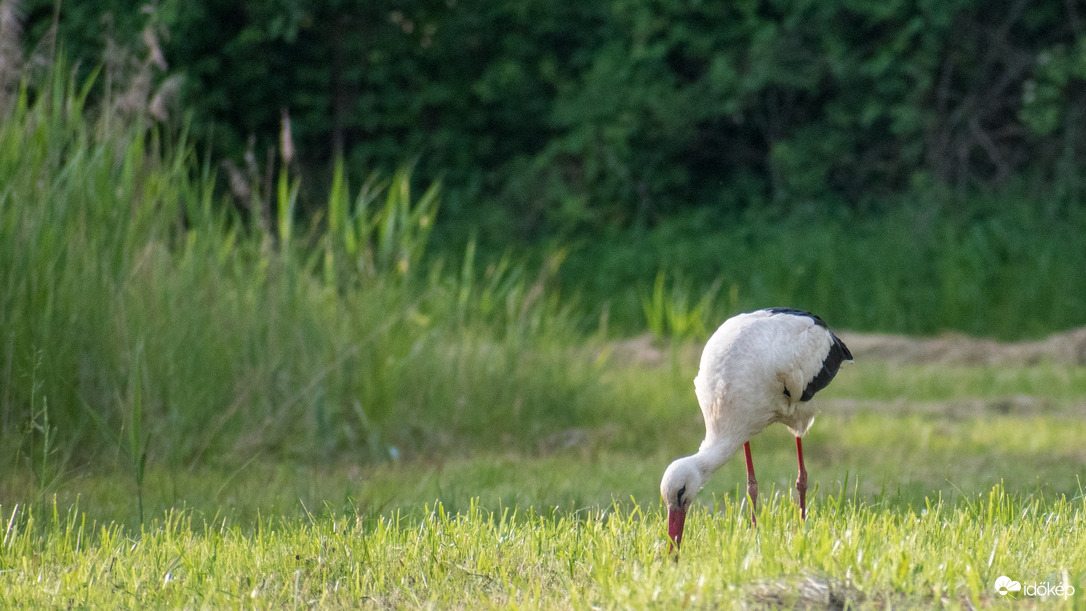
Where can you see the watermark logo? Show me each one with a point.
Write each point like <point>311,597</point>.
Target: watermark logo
<point>1005,585</point>
<point>1009,587</point>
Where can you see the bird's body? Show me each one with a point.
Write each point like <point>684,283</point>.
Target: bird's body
<point>757,368</point>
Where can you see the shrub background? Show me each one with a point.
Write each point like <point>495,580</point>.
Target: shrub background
<point>558,116</point>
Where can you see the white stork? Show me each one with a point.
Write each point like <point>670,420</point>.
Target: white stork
<point>758,368</point>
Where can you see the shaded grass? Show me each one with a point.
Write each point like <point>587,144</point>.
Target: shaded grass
<point>1053,382</point>
<point>901,458</point>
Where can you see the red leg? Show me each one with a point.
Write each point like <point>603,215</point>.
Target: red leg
<point>801,481</point>
<point>752,484</point>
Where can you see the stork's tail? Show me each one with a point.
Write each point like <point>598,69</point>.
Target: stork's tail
<point>844,355</point>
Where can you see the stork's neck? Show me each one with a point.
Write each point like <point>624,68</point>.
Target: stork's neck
<point>713,453</point>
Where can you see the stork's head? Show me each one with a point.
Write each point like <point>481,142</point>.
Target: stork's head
<point>682,480</point>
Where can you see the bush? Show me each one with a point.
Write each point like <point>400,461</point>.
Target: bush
<point>559,116</point>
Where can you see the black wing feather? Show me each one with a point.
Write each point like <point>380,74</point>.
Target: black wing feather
<point>798,312</point>
<point>838,354</point>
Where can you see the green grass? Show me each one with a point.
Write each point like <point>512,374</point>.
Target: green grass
<point>1005,265</point>
<point>141,311</point>
<point>200,409</point>
<point>911,506</point>
<point>1054,382</point>
<point>866,553</point>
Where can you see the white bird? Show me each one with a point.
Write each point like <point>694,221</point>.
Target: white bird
<point>758,368</point>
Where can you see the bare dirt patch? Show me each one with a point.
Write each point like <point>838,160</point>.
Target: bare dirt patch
<point>1068,347</point>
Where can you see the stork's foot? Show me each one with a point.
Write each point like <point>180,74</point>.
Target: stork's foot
<point>752,494</point>
<point>752,485</point>
<point>801,488</point>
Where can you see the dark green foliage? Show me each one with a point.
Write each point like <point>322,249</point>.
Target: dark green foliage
<point>563,115</point>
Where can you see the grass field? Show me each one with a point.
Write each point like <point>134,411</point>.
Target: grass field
<point>921,499</point>
<point>611,556</point>
<point>203,407</point>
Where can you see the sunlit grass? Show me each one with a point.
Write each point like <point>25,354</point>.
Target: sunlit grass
<point>941,554</point>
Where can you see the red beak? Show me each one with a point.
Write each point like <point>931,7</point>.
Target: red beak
<point>676,518</point>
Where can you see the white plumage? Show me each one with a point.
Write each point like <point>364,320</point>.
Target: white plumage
<point>758,368</point>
